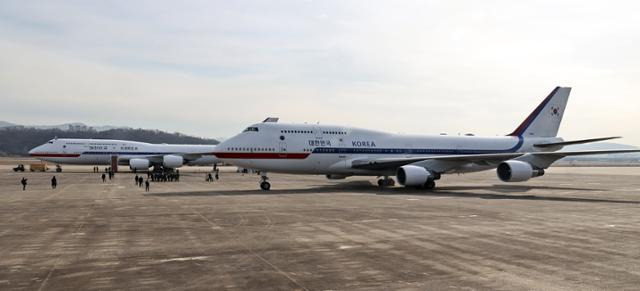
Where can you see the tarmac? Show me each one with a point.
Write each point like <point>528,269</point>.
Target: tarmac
<point>572,229</point>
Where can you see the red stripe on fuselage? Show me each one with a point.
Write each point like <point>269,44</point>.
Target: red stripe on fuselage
<point>45,155</point>
<point>230,155</point>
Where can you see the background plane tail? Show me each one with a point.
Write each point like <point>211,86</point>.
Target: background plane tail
<point>545,120</point>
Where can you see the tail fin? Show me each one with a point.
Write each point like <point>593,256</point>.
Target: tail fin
<point>545,120</point>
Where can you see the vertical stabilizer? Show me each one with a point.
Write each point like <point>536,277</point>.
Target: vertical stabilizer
<point>545,120</point>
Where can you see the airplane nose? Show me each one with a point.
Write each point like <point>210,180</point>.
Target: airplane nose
<point>34,150</point>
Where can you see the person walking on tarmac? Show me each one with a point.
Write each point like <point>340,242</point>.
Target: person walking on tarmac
<point>140,180</point>
<point>137,181</point>
<point>54,182</point>
<point>24,183</point>
<point>104,177</point>
<point>146,185</point>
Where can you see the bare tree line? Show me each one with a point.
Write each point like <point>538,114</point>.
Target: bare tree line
<point>18,140</point>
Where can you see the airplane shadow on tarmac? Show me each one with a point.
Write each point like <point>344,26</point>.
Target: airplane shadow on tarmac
<point>365,187</point>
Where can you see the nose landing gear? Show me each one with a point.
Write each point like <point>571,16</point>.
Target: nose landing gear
<point>264,185</point>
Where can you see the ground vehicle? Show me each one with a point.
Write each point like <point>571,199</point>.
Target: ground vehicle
<point>38,167</point>
<point>19,168</point>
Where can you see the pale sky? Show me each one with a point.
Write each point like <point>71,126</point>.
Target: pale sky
<point>210,68</point>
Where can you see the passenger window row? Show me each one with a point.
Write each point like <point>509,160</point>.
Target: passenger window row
<point>296,131</point>
<point>251,149</point>
<point>334,132</point>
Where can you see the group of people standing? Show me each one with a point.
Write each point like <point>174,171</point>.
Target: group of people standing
<point>159,176</point>
<point>164,176</point>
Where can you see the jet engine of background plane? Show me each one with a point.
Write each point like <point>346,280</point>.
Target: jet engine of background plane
<point>172,161</point>
<point>139,164</point>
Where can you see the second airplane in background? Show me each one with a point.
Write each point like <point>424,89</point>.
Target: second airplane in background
<point>137,155</point>
<point>415,160</point>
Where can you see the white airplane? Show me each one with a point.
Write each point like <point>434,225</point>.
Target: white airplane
<point>415,160</point>
<point>137,155</point>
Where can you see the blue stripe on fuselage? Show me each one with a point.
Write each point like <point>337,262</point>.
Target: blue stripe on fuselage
<point>408,151</point>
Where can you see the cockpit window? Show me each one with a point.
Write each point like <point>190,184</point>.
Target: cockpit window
<point>251,128</point>
<point>51,142</point>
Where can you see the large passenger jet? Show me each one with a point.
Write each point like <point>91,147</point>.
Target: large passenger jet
<point>415,160</point>
<point>137,155</point>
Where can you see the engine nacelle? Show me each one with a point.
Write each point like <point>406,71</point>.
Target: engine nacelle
<point>139,164</point>
<point>517,171</point>
<point>172,161</point>
<point>412,175</point>
<point>336,177</point>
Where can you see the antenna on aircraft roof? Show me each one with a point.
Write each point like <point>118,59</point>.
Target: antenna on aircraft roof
<point>271,119</point>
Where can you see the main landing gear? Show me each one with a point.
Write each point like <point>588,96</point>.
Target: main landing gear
<point>386,182</point>
<point>264,185</point>
<point>430,184</point>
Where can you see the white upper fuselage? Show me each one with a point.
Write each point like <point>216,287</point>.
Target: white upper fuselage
<point>330,150</point>
<point>101,151</point>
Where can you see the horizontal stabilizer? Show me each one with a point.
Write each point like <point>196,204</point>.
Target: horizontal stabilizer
<point>585,153</point>
<point>581,141</point>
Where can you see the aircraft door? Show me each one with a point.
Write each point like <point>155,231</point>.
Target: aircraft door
<point>343,152</point>
<point>317,131</point>
<point>282,149</point>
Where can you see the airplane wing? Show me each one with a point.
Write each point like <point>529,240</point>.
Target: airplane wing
<point>188,157</point>
<point>543,159</point>
<point>194,156</point>
<point>393,163</point>
<point>581,141</point>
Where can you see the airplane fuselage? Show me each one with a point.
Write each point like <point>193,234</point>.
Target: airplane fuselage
<point>100,152</point>
<point>331,150</point>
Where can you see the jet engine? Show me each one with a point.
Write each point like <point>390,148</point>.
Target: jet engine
<point>172,161</point>
<point>412,175</point>
<point>139,164</point>
<point>517,171</point>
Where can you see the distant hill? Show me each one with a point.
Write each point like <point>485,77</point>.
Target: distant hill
<point>73,126</point>
<point>5,124</point>
<point>18,140</point>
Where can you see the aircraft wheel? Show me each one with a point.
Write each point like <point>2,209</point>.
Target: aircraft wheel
<point>430,184</point>
<point>386,182</point>
<point>265,186</point>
